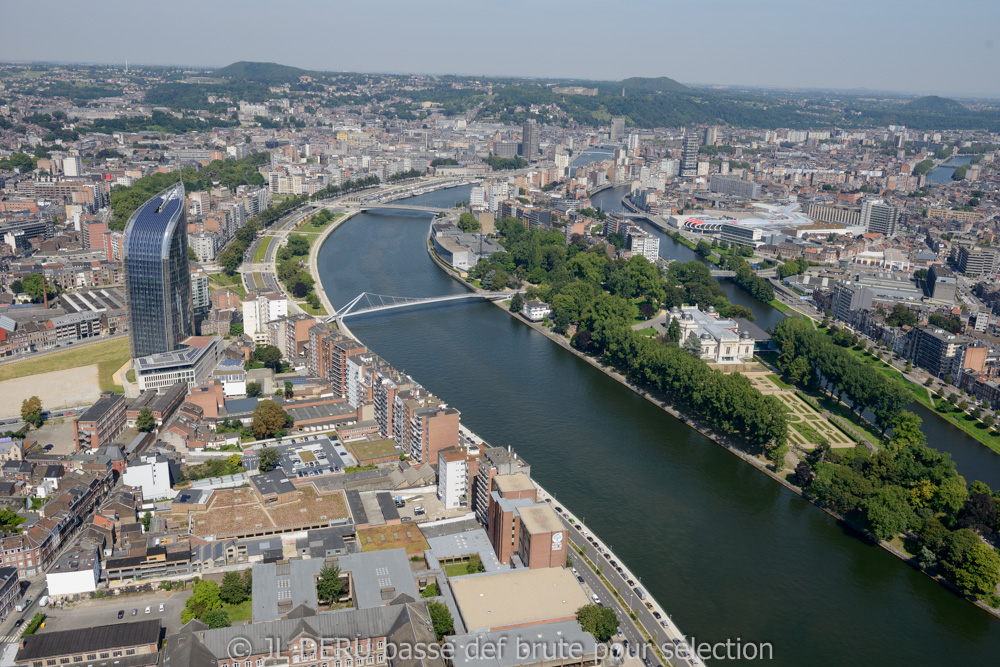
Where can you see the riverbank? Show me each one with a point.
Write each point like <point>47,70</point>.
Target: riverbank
<point>314,256</point>
<point>719,439</point>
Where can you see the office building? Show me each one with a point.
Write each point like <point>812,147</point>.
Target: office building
<point>741,234</point>
<point>495,461</point>
<point>975,261</point>
<point>711,135</point>
<point>936,350</point>
<point>101,423</point>
<point>850,296</point>
<point>641,243</point>
<point>529,139</point>
<point>689,156</point>
<point>734,187</point>
<point>157,275</point>
<point>877,217</point>
<point>840,214</point>
<point>942,282</point>
<point>617,130</point>
<point>190,363</point>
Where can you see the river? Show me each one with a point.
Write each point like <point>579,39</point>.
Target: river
<point>942,173</point>
<point>725,549</point>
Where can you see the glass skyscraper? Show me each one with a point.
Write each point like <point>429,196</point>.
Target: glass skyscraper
<point>157,275</point>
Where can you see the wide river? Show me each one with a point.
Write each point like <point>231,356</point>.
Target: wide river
<point>726,550</point>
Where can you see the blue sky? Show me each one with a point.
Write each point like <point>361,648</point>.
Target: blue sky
<point>875,44</point>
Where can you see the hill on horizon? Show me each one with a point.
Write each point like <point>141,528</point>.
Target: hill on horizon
<point>269,73</point>
<point>642,84</point>
<point>935,104</point>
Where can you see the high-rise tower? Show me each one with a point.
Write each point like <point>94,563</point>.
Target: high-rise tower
<point>529,139</point>
<point>157,274</point>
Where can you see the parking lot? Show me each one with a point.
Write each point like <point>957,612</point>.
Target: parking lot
<point>91,613</point>
<point>57,431</point>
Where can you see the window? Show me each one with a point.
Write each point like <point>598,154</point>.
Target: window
<point>77,658</point>
<point>130,651</point>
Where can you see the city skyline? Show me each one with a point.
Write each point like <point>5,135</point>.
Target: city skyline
<point>794,48</point>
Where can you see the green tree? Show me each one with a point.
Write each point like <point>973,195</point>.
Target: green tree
<point>269,355</point>
<point>17,287</point>
<point>475,565</point>
<point>288,389</point>
<point>145,422</point>
<point>236,329</point>
<point>232,590</point>
<point>430,592</point>
<point>517,303</point>
<point>704,248</point>
<point>35,286</point>
<point>692,345</point>
<point>441,619</point>
<point>31,411</point>
<point>217,618</point>
<point>298,245</point>
<point>602,622</point>
<point>254,389</point>
<point>268,459</point>
<point>777,456</point>
<point>888,511</point>
<point>192,257</point>
<point>147,519</point>
<point>970,564</point>
<point>674,331</point>
<point>329,584</point>
<point>268,419</point>
<point>468,223</point>
<point>204,598</point>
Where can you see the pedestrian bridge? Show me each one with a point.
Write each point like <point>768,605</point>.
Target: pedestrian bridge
<point>367,302</point>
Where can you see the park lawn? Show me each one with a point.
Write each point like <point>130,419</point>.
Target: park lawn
<point>309,309</point>
<point>109,356</point>
<point>774,303</point>
<point>319,228</point>
<point>238,612</point>
<point>648,331</point>
<point>261,252</point>
<point>778,381</point>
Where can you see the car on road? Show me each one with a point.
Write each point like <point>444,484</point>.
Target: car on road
<point>161,606</point>
<point>121,614</point>
<point>677,641</point>
<point>580,579</point>
<point>573,570</point>
<point>630,582</point>
<point>135,611</point>
<point>18,623</point>
<point>647,662</point>
<point>656,615</point>
<point>664,624</point>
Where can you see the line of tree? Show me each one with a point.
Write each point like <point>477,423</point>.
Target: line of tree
<point>748,280</point>
<point>811,358</point>
<point>346,187</point>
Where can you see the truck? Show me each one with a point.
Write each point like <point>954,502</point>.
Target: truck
<point>44,602</point>
<point>23,604</point>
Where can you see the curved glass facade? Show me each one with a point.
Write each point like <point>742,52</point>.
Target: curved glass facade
<point>157,275</point>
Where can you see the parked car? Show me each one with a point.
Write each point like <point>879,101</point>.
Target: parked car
<point>19,622</point>
<point>121,614</point>
<point>135,611</point>
<point>161,606</point>
<point>147,610</point>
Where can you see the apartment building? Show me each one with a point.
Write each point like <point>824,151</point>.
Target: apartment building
<point>101,423</point>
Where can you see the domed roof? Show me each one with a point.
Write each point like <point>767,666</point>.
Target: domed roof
<point>744,334</point>
<point>711,309</point>
<point>675,309</point>
<point>705,336</point>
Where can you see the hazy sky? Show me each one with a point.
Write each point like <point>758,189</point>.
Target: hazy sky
<point>878,44</point>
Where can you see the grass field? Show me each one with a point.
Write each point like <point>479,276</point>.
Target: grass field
<point>456,569</point>
<point>261,252</point>
<point>238,612</point>
<point>108,355</point>
<point>319,228</point>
